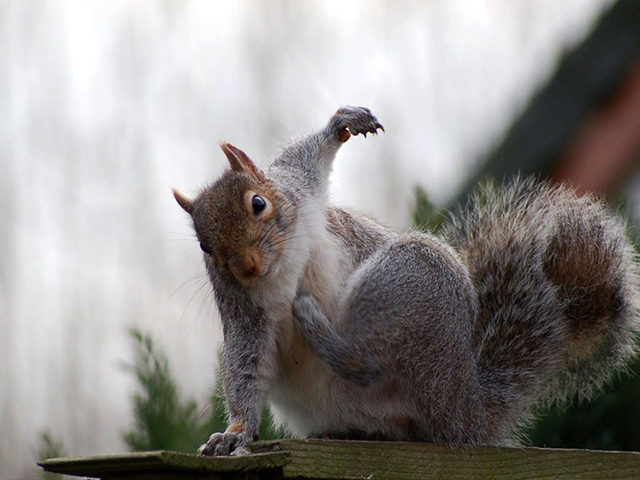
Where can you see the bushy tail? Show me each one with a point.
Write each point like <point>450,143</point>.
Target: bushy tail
<point>558,295</point>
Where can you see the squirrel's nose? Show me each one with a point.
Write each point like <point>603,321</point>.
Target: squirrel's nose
<point>247,264</point>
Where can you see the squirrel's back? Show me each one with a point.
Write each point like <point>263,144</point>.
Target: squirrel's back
<point>557,291</point>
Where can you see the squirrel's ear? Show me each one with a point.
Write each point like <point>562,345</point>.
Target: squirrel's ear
<point>184,202</point>
<point>240,162</point>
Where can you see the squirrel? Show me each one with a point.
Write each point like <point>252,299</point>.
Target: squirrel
<point>349,329</point>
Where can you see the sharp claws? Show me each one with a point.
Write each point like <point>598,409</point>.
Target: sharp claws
<point>354,121</point>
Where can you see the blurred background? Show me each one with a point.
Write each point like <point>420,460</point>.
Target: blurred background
<point>104,106</point>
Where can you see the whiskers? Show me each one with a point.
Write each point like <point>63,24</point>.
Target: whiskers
<point>205,301</point>
<point>178,237</point>
<point>188,283</point>
<point>200,282</point>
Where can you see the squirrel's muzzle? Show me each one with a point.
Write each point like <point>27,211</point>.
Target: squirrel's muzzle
<point>247,264</point>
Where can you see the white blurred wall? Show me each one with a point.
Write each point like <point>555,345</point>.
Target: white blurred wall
<point>106,105</point>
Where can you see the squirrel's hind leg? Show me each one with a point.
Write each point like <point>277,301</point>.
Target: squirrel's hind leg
<point>405,324</point>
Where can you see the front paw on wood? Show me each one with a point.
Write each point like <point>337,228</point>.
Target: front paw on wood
<point>221,444</point>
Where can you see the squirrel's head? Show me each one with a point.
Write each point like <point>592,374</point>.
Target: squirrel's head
<point>241,220</point>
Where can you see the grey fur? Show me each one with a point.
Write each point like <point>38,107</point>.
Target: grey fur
<point>356,331</point>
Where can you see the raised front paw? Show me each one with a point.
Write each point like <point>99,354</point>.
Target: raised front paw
<point>220,444</point>
<point>350,120</point>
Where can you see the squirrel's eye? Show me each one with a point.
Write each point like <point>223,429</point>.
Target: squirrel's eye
<point>258,204</point>
<point>205,249</point>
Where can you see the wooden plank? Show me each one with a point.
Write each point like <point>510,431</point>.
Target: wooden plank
<point>323,459</point>
<point>100,466</point>
<point>340,459</point>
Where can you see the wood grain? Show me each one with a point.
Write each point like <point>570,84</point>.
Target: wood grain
<point>342,459</point>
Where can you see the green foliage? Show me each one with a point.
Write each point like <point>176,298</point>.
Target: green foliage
<point>162,420</point>
<point>610,422</point>
<point>49,447</point>
<point>425,215</point>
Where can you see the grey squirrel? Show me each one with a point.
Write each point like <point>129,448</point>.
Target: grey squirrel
<point>351,330</point>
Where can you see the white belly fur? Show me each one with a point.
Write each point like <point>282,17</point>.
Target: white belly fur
<point>305,396</point>
<point>303,387</point>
